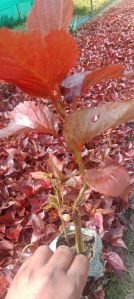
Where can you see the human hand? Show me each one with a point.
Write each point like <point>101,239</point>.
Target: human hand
<point>48,275</point>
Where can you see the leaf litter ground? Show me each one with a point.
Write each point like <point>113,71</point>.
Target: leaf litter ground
<point>23,220</point>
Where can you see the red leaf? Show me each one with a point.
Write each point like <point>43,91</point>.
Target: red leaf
<point>28,116</point>
<point>55,166</point>
<point>36,204</point>
<point>72,85</point>
<point>115,261</point>
<point>45,184</point>
<point>30,187</point>
<point>110,179</point>
<point>117,232</point>
<point>7,219</point>
<point>100,294</point>
<point>34,63</point>
<point>37,224</point>
<point>106,72</point>
<point>49,230</point>
<point>9,162</point>
<point>96,220</point>
<point>82,125</point>
<point>14,233</point>
<point>28,190</point>
<point>118,242</point>
<point>3,285</point>
<point>6,245</point>
<point>48,15</point>
<point>76,84</point>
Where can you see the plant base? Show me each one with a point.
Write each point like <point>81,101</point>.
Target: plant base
<point>92,245</point>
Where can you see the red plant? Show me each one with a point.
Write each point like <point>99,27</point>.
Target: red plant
<point>38,61</point>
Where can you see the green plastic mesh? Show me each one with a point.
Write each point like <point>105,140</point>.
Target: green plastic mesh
<point>14,12</point>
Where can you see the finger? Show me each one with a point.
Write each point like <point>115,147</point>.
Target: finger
<point>61,259</point>
<point>25,264</point>
<point>79,271</point>
<point>41,257</point>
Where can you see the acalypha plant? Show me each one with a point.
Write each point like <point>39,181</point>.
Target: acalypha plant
<point>38,61</point>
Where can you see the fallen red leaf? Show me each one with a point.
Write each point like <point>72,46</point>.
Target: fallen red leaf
<point>115,261</point>
<point>7,219</point>
<point>6,245</point>
<point>110,179</point>
<point>118,242</point>
<point>13,233</point>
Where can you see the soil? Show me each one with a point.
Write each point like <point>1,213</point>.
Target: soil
<point>87,242</point>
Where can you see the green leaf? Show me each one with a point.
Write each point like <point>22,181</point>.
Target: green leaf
<point>53,201</point>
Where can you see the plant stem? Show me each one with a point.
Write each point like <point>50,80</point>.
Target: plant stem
<point>60,109</point>
<point>76,215</point>
<point>78,235</point>
<point>80,162</point>
<point>57,102</point>
<point>80,195</point>
<point>60,204</point>
<point>64,228</point>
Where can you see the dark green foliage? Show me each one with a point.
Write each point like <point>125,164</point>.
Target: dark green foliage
<point>5,21</point>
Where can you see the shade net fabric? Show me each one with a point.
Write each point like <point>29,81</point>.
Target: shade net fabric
<point>13,11</point>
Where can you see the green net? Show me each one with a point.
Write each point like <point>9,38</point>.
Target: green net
<point>13,12</point>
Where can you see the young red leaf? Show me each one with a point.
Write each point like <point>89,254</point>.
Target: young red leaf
<point>82,125</point>
<point>55,166</point>
<point>28,116</point>
<point>106,72</point>
<point>110,179</point>
<point>72,85</point>
<point>34,63</point>
<point>115,261</point>
<point>48,15</point>
<point>75,85</point>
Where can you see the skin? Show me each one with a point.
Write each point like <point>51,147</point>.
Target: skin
<point>48,275</point>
